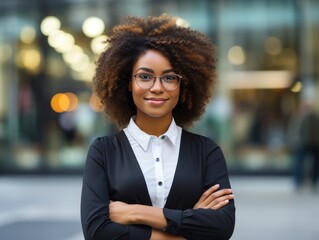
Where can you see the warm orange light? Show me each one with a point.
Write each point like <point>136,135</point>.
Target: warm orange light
<point>60,102</point>
<point>55,103</point>
<point>64,102</point>
<point>73,101</point>
<point>95,103</point>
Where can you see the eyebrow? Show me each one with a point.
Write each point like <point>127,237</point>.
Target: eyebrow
<point>151,70</point>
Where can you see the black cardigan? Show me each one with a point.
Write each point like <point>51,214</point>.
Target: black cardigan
<point>113,173</point>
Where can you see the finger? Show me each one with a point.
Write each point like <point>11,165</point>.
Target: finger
<point>210,191</point>
<point>220,205</point>
<point>220,193</point>
<point>206,194</point>
<point>211,194</point>
<point>221,201</point>
<point>224,191</point>
<point>208,198</point>
<point>214,200</point>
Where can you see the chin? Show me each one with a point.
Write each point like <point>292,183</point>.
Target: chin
<point>157,115</point>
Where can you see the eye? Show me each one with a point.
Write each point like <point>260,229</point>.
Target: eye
<point>145,76</point>
<point>170,78</point>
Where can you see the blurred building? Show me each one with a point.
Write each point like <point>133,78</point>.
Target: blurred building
<point>267,63</point>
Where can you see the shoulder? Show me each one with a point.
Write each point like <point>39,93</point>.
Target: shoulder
<point>107,142</point>
<point>201,146</point>
<point>197,138</point>
<point>199,142</point>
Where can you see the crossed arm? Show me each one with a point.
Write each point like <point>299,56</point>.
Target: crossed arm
<point>126,214</point>
<point>212,217</point>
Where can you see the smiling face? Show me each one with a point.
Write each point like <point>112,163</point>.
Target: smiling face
<point>155,102</point>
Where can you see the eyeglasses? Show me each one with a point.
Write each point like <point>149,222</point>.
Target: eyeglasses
<point>169,81</point>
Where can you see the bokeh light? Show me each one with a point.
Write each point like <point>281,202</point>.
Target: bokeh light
<point>29,59</point>
<point>236,55</point>
<point>50,24</point>
<point>98,44</point>
<point>296,88</point>
<point>27,34</point>
<point>73,101</point>
<point>95,103</point>
<point>74,55</point>
<point>61,41</point>
<point>181,22</point>
<point>93,26</point>
<point>64,102</point>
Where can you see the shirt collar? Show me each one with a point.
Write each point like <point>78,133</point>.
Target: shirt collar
<point>143,138</point>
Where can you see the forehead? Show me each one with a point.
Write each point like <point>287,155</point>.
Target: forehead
<point>152,59</point>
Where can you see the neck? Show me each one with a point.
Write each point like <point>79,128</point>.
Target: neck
<point>153,126</point>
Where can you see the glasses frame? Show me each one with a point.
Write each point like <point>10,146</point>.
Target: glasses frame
<point>160,78</point>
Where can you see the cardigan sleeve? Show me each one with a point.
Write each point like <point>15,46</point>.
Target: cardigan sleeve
<point>194,224</point>
<point>96,224</point>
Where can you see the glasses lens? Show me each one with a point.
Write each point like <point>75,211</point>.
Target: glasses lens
<point>171,81</point>
<point>144,80</point>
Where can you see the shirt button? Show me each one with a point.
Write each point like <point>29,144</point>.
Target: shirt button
<point>162,137</point>
<point>157,159</point>
<point>160,183</point>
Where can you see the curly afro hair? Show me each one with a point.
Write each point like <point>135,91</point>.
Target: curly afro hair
<point>190,52</point>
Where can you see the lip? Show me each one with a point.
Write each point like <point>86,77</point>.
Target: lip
<point>156,101</point>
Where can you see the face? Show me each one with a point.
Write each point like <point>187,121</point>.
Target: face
<point>155,102</point>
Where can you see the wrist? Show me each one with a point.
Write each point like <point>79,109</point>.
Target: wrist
<point>140,214</point>
<point>147,215</point>
<point>134,216</point>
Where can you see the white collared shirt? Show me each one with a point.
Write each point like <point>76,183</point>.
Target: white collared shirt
<point>157,157</point>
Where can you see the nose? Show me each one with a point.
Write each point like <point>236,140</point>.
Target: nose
<point>157,86</point>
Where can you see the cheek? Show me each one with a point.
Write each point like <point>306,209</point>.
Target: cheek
<point>137,92</point>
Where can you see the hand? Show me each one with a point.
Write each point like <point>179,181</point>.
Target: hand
<point>214,198</point>
<point>120,212</point>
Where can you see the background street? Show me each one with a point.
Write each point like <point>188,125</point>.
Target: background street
<point>37,208</point>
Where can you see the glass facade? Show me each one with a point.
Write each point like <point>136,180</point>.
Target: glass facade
<point>267,65</point>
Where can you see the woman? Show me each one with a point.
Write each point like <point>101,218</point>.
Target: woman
<point>153,179</point>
